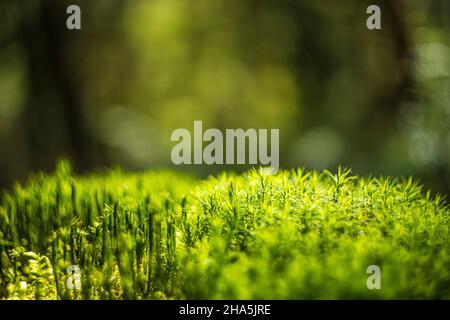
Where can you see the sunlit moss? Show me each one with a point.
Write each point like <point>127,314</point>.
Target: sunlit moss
<point>163,235</point>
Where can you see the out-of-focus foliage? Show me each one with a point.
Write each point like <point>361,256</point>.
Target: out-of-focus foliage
<point>111,93</point>
<point>298,234</point>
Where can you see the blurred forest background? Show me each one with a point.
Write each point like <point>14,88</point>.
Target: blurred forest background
<point>112,93</point>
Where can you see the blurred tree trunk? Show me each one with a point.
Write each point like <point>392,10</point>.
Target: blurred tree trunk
<point>388,100</point>
<point>53,117</point>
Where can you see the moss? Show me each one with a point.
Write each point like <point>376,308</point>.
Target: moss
<point>164,235</point>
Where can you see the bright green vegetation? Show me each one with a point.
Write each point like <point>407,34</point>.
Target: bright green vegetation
<point>163,235</point>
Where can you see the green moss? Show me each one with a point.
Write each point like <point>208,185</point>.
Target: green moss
<point>164,235</point>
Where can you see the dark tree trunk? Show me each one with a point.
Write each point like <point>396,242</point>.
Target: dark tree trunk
<point>53,116</point>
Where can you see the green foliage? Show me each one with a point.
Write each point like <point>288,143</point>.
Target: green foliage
<point>163,235</point>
